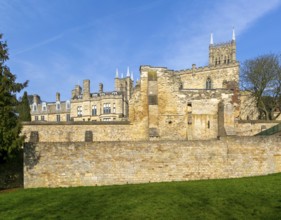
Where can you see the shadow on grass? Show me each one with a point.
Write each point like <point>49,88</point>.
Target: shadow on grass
<point>11,172</point>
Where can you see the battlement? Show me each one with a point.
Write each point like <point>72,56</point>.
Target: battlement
<point>195,69</point>
<point>222,44</point>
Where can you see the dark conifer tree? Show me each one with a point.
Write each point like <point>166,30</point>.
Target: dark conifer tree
<point>24,108</point>
<point>10,127</point>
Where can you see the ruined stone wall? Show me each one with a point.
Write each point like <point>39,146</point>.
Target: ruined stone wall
<point>56,164</point>
<point>248,108</point>
<point>196,78</point>
<point>179,113</point>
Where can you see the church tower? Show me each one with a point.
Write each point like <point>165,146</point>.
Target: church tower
<point>223,53</point>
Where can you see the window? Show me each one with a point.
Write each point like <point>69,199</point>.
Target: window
<point>152,76</point>
<point>67,117</point>
<point>106,108</point>
<point>58,118</point>
<point>58,106</point>
<point>208,83</point>
<point>36,118</point>
<point>106,119</point>
<point>94,110</point>
<point>209,125</point>
<point>67,104</point>
<point>44,106</point>
<point>152,100</point>
<point>79,111</point>
<point>114,108</point>
<point>42,118</point>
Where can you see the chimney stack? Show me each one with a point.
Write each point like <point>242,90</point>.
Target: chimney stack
<point>100,87</point>
<point>58,97</point>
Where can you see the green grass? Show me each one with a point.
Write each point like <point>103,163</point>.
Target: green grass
<point>246,198</point>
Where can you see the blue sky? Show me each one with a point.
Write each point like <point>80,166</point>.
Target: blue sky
<point>55,44</point>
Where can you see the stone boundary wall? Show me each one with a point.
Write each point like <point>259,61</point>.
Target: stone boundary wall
<point>251,128</point>
<point>54,164</point>
<point>75,132</point>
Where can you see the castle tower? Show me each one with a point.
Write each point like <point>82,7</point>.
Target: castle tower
<point>222,53</point>
<point>125,85</point>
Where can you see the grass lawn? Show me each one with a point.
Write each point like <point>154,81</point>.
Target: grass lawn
<point>245,198</point>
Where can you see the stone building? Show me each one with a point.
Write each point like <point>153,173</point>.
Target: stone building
<point>101,105</point>
<point>191,104</point>
<point>87,106</point>
<point>50,111</point>
<point>197,103</point>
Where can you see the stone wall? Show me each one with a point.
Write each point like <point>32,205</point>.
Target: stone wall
<point>250,128</point>
<point>196,78</point>
<point>103,163</point>
<point>75,132</point>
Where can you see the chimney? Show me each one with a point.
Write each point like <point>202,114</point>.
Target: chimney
<point>36,99</point>
<point>86,89</point>
<point>100,87</point>
<point>77,90</point>
<point>58,97</point>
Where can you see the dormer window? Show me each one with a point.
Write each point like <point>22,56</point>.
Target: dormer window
<point>67,104</point>
<point>44,106</point>
<point>57,106</point>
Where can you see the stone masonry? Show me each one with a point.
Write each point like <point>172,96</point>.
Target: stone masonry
<point>107,163</point>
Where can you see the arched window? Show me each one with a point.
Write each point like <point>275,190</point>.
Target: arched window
<point>208,83</point>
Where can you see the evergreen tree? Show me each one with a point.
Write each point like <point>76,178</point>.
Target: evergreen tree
<point>10,127</point>
<point>24,108</point>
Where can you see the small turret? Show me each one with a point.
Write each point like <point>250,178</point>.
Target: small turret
<point>233,34</point>
<point>211,40</point>
<point>128,72</point>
